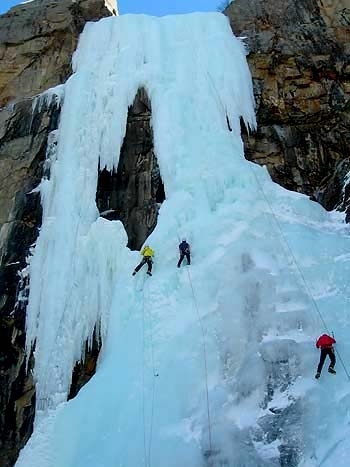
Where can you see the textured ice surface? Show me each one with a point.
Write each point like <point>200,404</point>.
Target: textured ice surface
<point>147,403</point>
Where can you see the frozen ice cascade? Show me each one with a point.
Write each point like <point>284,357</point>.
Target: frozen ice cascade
<point>238,325</point>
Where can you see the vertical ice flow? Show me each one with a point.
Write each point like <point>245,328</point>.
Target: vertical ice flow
<point>71,281</point>
<point>147,403</point>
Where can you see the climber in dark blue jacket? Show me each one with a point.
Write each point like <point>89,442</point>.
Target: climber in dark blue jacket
<point>184,250</point>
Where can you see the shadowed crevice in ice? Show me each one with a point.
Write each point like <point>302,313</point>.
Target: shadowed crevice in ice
<point>85,369</point>
<point>135,191</point>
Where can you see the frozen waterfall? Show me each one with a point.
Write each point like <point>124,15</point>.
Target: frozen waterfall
<point>210,365</point>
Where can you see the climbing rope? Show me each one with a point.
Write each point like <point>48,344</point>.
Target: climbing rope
<point>155,374</point>
<point>204,358</point>
<point>294,260</point>
<point>204,355</point>
<point>289,249</point>
<point>143,379</point>
<point>146,311</point>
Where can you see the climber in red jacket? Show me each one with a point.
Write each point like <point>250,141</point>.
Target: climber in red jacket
<point>325,343</point>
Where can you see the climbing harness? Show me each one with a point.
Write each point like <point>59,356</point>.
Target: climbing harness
<point>289,250</point>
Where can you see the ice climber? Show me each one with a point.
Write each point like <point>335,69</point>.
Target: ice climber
<point>325,343</point>
<point>184,250</point>
<point>147,255</point>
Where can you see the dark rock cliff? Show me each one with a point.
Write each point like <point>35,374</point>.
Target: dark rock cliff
<point>22,152</point>
<point>133,194</point>
<point>300,62</point>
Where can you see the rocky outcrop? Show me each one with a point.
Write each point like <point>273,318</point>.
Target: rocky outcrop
<point>37,41</point>
<point>300,63</point>
<point>84,370</point>
<point>134,193</point>
<point>23,142</point>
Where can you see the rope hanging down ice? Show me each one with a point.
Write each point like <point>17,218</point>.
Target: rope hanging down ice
<point>143,380</point>
<point>204,358</point>
<point>288,250</point>
<point>147,449</point>
<point>154,371</point>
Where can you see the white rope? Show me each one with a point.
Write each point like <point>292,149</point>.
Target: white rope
<point>204,356</point>
<point>143,378</point>
<point>155,374</point>
<point>146,311</point>
<point>294,260</point>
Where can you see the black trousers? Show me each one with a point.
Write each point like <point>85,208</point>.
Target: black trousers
<point>324,353</point>
<point>145,259</point>
<point>182,255</point>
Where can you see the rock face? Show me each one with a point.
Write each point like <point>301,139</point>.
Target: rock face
<point>133,194</point>
<point>37,41</point>
<point>85,369</point>
<point>23,141</point>
<point>300,63</point>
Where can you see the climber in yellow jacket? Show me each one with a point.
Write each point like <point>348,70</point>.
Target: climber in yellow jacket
<point>147,255</point>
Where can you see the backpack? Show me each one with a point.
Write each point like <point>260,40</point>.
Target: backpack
<point>184,247</point>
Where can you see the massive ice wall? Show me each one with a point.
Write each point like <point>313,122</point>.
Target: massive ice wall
<point>191,77</point>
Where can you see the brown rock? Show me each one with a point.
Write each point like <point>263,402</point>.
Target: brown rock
<point>37,40</point>
<point>135,191</point>
<point>23,144</point>
<point>299,59</point>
